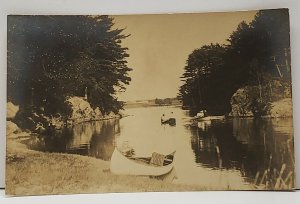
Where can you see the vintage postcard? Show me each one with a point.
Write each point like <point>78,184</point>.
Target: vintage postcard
<point>137,103</point>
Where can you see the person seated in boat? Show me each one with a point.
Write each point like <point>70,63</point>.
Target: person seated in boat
<point>164,118</point>
<point>200,114</point>
<point>172,119</point>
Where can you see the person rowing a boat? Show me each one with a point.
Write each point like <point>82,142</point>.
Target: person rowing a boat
<point>164,118</point>
<point>172,119</point>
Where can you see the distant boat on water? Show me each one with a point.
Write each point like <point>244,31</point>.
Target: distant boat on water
<point>169,121</point>
<point>202,116</point>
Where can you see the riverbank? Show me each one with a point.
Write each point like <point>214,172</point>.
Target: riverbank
<point>31,172</point>
<point>278,109</point>
<point>143,105</point>
<point>276,103</point>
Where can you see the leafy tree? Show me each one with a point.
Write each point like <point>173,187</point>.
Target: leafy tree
<point>261,55</point>
<point>257,55</point>
<point>256,48</point>
<point>51,57</point>
<point>200,90</point>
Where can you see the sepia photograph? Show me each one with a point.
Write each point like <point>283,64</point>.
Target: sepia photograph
<point>149,103</point>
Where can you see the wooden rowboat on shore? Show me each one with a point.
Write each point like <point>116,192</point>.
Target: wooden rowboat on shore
<point>156,165</point>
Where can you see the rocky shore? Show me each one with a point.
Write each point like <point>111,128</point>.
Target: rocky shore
<point>242,104</point>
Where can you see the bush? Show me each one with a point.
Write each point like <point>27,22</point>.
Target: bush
<point>260,107</point>
<point>247,102</point>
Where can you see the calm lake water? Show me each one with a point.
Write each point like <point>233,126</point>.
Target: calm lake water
<point>245,146</point>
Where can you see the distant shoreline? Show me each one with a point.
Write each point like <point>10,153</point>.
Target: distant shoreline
<point>145,105</point>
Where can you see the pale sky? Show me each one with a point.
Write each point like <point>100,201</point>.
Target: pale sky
<point>159,46</point>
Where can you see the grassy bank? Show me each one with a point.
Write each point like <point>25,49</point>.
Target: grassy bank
<point>31,172</point>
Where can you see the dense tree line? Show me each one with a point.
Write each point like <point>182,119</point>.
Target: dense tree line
<point>257,54</point>
<point>52,57</point>
<point>166,101</point>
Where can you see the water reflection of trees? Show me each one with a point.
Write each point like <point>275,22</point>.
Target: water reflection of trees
<point>102,141</point>
<point>57,141</point>
<point>205,143</point>
<point>94,139</point>
<point>80,139</point>
<point>244,144</point>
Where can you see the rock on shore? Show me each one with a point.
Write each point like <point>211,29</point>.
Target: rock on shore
<point>11,129</point>
<point>240,105</point>
<point>282,108</point>
<point>11,110</point>
<point>81,111</point>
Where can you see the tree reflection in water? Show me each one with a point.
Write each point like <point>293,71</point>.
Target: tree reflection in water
<point>248,145</point>
<point>94,139</point>
<point>245,146</point>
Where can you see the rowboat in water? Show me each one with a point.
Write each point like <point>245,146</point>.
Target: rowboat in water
<point>170,121</point>
<point>156,165</point>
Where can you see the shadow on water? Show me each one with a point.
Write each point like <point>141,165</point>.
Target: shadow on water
<point>252,146</point>
<point>94,139</point>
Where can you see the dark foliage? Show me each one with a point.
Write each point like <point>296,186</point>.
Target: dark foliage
<point>52,57</point>
<point>257,53</point>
